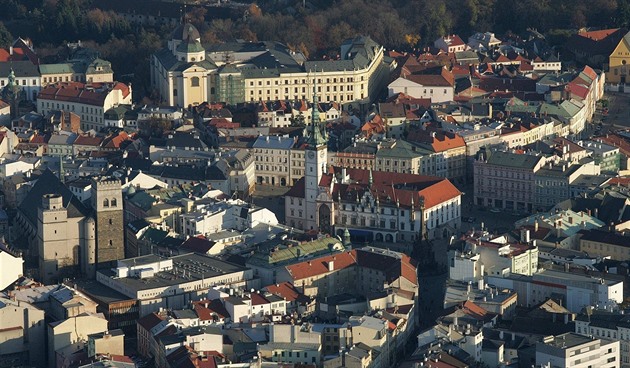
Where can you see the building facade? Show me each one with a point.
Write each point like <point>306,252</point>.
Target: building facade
<point>189,73</point>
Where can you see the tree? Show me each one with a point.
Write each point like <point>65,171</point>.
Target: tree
<point>6,39</point>
<point>623,13</point>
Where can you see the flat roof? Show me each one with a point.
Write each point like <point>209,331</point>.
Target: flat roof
<point>568,340</point>
<point>186,268</point>
<point>100,292</point>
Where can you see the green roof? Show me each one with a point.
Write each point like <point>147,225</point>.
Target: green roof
<point>62,68</point>
<point>190,46</point>
<point>508,159</point>
<point>285,255</point>
<point>154,235</point>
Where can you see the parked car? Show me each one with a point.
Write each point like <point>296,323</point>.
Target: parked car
<point>495,210</point>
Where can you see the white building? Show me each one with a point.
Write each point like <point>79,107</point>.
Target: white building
<point>11,265</point>
<point>89,101</point>
<point>439,88</point>
<point>172,282</point>
<point>573,350</point>
<point>578,291</point>
<point>607,325</point>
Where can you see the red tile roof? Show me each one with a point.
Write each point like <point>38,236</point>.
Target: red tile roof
<point>444,79</point>
<point>205,309</point>
<point>577,89</point>
<point>401,187</point>
<point>18,55</point>
<point>88,140</point>
<point>258,299</point>
<point>114,141</point>
<point>392,267</point>
<point>287,291</point>
<point>598,35</point>
<point>88,94</point>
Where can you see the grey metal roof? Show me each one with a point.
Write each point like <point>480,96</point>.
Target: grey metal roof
<point>508,159</point>
<point>273,142</point>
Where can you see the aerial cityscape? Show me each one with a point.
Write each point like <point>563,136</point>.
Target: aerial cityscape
<point>314,183</point>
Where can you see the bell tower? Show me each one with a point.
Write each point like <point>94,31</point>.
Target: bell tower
<point>315,163</point>
<point>108,212</point>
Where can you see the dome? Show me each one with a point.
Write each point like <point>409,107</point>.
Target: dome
<point>131,191</point>
<point>185,32</point>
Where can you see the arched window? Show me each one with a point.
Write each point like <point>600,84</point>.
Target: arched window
<point>194,81</point>
<point>106,202</point>
<point>113,202</point>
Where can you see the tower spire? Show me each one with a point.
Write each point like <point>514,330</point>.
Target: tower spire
<point>316,137</point>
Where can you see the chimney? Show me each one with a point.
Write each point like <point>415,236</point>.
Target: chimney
<point>10,50</point>
<point>525,236</point>
<point>536,225</point>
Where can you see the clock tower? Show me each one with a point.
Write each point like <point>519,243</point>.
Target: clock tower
<point>315,165</point>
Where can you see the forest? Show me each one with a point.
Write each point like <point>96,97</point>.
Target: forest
<point>315,27</point>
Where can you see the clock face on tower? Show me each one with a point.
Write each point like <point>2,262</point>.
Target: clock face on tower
<point>321,153</point>
<point>311,154</point>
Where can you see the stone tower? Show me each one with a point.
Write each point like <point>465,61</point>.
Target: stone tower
<point>107,206</point>
<point>57,255</point>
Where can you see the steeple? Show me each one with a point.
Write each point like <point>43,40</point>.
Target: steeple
<point>315,136</point>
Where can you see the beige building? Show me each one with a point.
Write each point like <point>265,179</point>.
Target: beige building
<point>22,334</point>
<point>356,271</point>
<point>506,180</point>
<point>84,71</point>
<point>273,156</point>
<point>189,73</point>
<point>401,157</point>
<point>63,233</point>
<point>601,243</point>
<point>107,342</point>
<point>72,333</point>
<point>89,101</point>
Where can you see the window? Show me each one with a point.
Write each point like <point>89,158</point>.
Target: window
<point>106,202</point>
<point>113,202</point>
<point>194,81</point>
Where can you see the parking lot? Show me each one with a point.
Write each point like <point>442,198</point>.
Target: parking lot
<point>618,112</point>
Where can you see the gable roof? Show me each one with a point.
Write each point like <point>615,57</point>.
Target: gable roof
<point>287,291</point>
<point>393,266</point>
<point>49,183</point>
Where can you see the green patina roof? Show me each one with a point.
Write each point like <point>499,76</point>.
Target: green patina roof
<point>190,46</point>
<point>143,201</point>
<point>62,68</point>
<point>154,235</point>
<point>278,257</point>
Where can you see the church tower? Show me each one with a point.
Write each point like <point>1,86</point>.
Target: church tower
<point>315,165</point>
<point>107,205</point>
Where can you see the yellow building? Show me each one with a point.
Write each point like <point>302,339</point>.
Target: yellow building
<point>618,60</point>
<point>188,73</point>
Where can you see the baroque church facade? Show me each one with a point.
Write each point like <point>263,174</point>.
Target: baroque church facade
<point>186,72</point>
